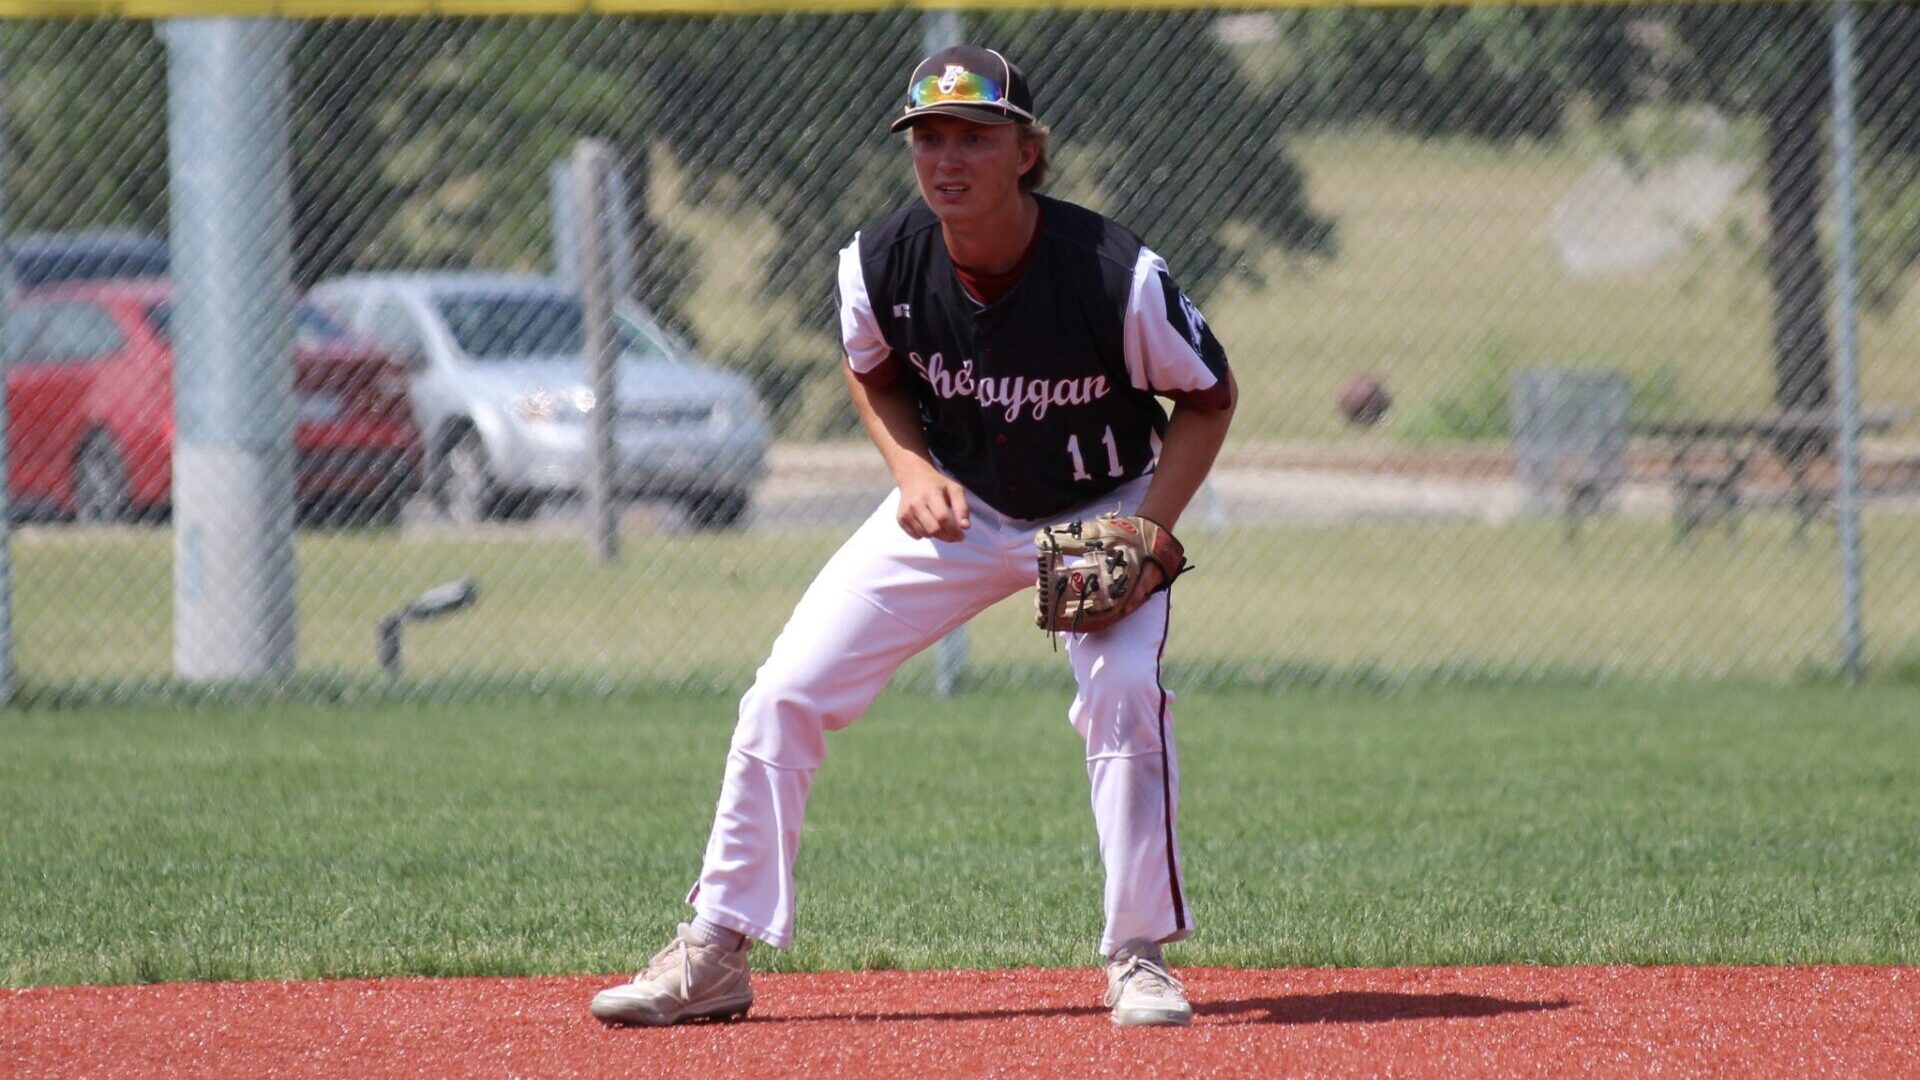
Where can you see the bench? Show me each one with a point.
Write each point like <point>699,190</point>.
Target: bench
<point>1713,460</point>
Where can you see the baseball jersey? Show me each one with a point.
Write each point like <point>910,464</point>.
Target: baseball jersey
<point>1045,398</point>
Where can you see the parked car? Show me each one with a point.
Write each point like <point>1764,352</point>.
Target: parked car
<point>89,370</point>
<point>499,387</point>
<point>38,259</point>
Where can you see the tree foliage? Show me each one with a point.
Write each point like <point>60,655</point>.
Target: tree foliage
<point>86,126</point>
<point>1490,72</point>
<point>425,142</point>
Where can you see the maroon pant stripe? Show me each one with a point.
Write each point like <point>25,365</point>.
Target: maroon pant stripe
<point>1166,773</point>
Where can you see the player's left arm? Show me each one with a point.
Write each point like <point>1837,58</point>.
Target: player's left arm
<point>1172,352</point>
<point>1195,433</point>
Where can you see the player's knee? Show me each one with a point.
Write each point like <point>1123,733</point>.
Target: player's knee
<point>1122,717</point>
<point>785,724</point>
<point>1132,685</point>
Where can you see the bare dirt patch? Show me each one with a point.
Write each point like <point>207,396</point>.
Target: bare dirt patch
<point>1427,1022</point>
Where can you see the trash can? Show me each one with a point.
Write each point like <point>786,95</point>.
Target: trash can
<point>1569,438</point>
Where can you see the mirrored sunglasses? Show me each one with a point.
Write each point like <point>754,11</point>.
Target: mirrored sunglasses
<point>962,88</point>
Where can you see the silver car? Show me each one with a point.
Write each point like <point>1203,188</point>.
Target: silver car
<point>500,392</point>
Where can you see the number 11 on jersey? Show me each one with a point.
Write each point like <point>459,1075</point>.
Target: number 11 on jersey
<point>1079,463</point>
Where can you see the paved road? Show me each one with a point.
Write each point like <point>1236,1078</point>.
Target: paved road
<point>837,486</point>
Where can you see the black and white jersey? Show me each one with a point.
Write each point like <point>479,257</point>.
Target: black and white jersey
<point>1045,398</point>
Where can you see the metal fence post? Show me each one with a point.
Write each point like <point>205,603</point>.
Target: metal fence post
<point>1852,619</point>
<point>233,472</point>
<point>561,205</point>
<point>591,159</point>
<point>938,30</point>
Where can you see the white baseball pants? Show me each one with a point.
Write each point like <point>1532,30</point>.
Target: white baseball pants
<point>883,598</point>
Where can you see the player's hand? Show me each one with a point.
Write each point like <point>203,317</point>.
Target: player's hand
<point>1151,578</point>
<point>933,505</point>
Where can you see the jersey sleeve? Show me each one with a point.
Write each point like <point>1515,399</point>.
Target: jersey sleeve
<point>1170,349</point>
<point>868,353</point>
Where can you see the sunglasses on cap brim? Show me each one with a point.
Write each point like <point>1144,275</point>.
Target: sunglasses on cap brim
<point>963,88</point>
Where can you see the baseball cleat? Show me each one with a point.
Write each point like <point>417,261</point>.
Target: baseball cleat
<point>684,981</point>
<point>1142,992</point>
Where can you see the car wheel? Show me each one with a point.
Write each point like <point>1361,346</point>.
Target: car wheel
<point>517,505</point>
<point>715,509</point>
<point>377,511</point>
<point>100,483</point>
<point>465,489</point>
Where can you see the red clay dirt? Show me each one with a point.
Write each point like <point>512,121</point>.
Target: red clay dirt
<point>1416,1022</point>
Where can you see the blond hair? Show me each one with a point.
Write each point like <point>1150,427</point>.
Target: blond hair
<point>1042,136</point>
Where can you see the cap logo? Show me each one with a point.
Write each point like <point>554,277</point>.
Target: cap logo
<point>956,84</point>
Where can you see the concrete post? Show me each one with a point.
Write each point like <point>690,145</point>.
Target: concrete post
<point>7,686</point>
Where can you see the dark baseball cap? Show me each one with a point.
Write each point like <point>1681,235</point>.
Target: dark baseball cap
<point>968,82</point>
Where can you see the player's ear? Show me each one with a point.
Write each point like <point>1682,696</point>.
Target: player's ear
<point>1029,155</point>
<point>1034,140</point>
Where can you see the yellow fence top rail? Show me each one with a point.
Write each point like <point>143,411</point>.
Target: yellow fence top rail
<point>353,9</point>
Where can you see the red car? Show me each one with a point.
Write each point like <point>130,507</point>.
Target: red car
<point>90,409</point>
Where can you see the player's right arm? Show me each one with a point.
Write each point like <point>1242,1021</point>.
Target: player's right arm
<point>932,504</point>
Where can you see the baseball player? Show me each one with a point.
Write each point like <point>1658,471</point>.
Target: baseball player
<point>1006,353</point>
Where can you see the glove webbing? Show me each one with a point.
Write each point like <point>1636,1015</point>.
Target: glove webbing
<point>1062,581</point>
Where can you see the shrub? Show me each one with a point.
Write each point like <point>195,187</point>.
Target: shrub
<point>1475,408</point>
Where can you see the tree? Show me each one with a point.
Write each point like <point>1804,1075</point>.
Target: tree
<point>1506,72</point>
<point>795,110</point>
<point>1771,62</point>
<point>1179,143</point>
<point>1490,72</point>
<point>86,113</point>
<point>787,117</point>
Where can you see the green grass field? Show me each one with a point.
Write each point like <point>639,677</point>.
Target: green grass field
<point>1481,820</point>
<point>1269,604</point>
<point>1545,824</point>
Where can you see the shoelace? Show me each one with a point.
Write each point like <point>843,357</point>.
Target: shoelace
<point>1156,978</point>
<point>662,959</point>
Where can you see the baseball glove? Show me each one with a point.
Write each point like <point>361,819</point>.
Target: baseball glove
<point>1090,570</point>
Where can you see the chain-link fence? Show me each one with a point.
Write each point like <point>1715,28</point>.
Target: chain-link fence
<point>1588,254</point>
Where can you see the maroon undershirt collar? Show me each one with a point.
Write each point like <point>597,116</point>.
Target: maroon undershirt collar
<point>988,288</point>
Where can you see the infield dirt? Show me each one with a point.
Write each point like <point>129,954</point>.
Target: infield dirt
<point>1417,1022</point>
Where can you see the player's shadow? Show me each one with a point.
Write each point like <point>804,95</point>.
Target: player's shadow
<point>1343,1007</point>
<point>1367,1007</point>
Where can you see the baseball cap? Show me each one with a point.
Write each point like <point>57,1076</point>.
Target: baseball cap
<point>968,82</point>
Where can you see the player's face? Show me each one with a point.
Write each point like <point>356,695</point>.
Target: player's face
<point>969,172</point>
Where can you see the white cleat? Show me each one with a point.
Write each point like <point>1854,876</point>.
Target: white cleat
<point>684,981</point>
<point>1142,992</point>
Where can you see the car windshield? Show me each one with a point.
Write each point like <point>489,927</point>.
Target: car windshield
<point>496,327</point>
<point>311,325</point>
